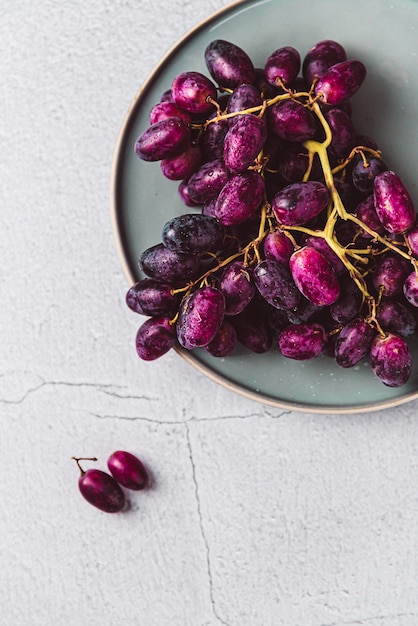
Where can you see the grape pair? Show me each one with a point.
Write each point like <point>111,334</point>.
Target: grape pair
<point>103,490</point>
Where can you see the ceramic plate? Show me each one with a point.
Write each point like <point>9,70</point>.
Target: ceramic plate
<point>382,34</point>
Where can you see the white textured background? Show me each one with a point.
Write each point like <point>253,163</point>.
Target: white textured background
<point>257,517</point>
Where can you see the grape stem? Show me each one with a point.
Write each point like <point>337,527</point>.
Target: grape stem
<point>82,458</point>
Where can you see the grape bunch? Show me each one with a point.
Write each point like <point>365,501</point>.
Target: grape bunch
<point>296,235</point>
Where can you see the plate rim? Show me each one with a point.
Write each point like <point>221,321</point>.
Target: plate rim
<point>115,212</point>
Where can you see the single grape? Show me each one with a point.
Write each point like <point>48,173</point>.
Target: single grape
<point>193,232</point>
<point>237,286</point>
<point>224,341</point>
<point>353,342</point>
<point>364,170</point>
<point>194,92</point>
<point>323,247</point>
<point>348,305</point>
<point>244,97</point>
<point>168,266</point>
<point>253,329</point>
<point>100,489</point>
<point>277,246</point>
<point>243,142</point>
<point>412,239</point>
<point>314,276</point>
<point>393,204</point>
<point>182,165</point>
<point>366,212</point>
<point>410,288</point>
<point>291,121</point>
<point>303,312</point>
<point>321,57</point>
<point>239,198</point>
<point>343,132</point>
<point>298,203</point>
<point>163,139</point>
<point>341,82</point>
<point>183,191</point>
<point>302,342</point>
<point>389,274</point>
<point>391,360</point>
<point>293,163</point>
<point>394,317</point>
<point>163,110</point>
<point>200,316</point>
<point>208,180</point>
<point>275,284</point>
<point>228,64</point>
<point>283,65</point>
<point>128,470</point>
<point>212,139</point>
<point>152,297</point>
<point>154,338</point>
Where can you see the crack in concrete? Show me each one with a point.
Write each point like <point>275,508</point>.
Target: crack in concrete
<point>202,530</point>
<point>221,418</point>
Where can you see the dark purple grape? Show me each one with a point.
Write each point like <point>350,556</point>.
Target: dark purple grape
<point>128,470</point>
<point>353,342</point>
<point>208,180</point>
<point>314,276</point>
<point>228,64</point>
<point>348,305</point>
<point>209,208</point>
<point>389,274</point>
<point>154,338</point>
<point>163,110</point>
<point>349,195</point>
<point>298,203</point>
<point>275,284</point>
<point>183,190</point>
<point>364,171</point>
<point>168,266</point>
<point>163,139</point>
<point>182,165</point>
<point>240,198</point>
<point>366,212</point>
<point>304,312</point>
<point>243,142</point>
<point>391,360</point>
<point>393,204</point>
<point>167,96</point>
<point>283,65</point>
<point>224,341</point>
<point>291,121</point>
<point>151,297</point>
<point>410,288</point>
<point>237,286</point>
<point>200,316</point>
<point>265,89</point>
<point>243,97</point>
<point>253,329</point>
<point>293,163</point>
<point>193,92</point>
<point>321,57</point>
<point>343,132</point>
<point>212,140</point>
<point>193,232</point>
<point>394,317</point>
<point>277,246</point>
<point>100,489</point>
<point>302,341</point>
<point>341,82</point>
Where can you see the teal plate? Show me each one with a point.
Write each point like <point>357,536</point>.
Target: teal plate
<point>384,36</point>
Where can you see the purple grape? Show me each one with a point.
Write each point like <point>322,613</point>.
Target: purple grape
<point>366,212</point>
<point>228,64</point>
<point>151,297</point>
<point>243,97</point>
<point>304,311</point>
<point>291,121</point>
<point>168,266</point>
<point>212,140</point>
<point>253,328</point>
<point>321,57</point>
<point>293,162</point>
<point>283,65</point>
<point>353,342</point>
<point>390,274</point>
<point>163,139</point>
<point>240,198</point>
<point>322,246</point>
<point>100,489</point>
<point>200,316</point>
<point>341,82</point>
<point>410,288</point>
<point>243,142</point>
<point>183,190</point>
<point>163,110</point>
<point>275,284</point>
<point>412,239</point>
<point>192,91</point>
<point>364,171</point>
<point>208,180</point>
<point>394,317</point>
<point>343,132</point>
<point>128,470</point>
<point>224,341</point>
<point>277,246</point>
<point>391,360</point>
<point>182,165</point>
<point>237,286</point>
<point>302,342</point>
<point>348,305</point>
<point>393,204</point>
<point>193,233</point>
<point>298,203</point>
<point>314,276</point>
<point>154,338</point>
